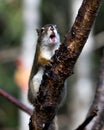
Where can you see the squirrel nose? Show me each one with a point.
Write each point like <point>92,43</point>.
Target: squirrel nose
<point>51,28</point>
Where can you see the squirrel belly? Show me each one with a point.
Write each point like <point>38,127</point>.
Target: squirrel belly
<point>35,84</point>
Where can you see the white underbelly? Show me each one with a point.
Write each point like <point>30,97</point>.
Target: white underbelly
<point>36,81</point>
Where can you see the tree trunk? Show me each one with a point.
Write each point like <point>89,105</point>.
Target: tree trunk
<point>61,66</point>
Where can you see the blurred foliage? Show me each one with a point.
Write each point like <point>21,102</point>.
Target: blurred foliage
<point>10,36</point>
<point>98,54</point>
<point>56,12</point>
<point>99,24</point>
<point>8,111</point>
<point>10,23</point>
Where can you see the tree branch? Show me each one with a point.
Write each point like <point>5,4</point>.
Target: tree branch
<point>88,119</point>
<point>98,122</point>
<point>15,102</point>
<point>61,66</point>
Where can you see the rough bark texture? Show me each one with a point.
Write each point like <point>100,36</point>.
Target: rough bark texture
<point>98,122</point>
<point>61,66</point>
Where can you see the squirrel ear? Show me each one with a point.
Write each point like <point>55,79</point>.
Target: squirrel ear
<point>38,31</point>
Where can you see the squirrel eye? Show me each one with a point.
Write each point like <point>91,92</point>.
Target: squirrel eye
<point>56,27</point>
<point>42,29</point>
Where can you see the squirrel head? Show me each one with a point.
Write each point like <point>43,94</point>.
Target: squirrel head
<point>48,35</point>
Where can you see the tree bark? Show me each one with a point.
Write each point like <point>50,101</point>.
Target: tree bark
<point>61,66</point>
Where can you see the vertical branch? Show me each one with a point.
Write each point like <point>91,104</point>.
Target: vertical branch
<point>98,122</point>
<point>88,119</point>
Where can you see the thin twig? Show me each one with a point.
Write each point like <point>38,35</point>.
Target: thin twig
<point>88,120</point>
<point>15,102</point>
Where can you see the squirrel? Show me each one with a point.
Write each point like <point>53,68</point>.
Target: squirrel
<point>47,43</point>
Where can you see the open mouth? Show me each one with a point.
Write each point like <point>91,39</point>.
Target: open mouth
<point>52,38</point>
